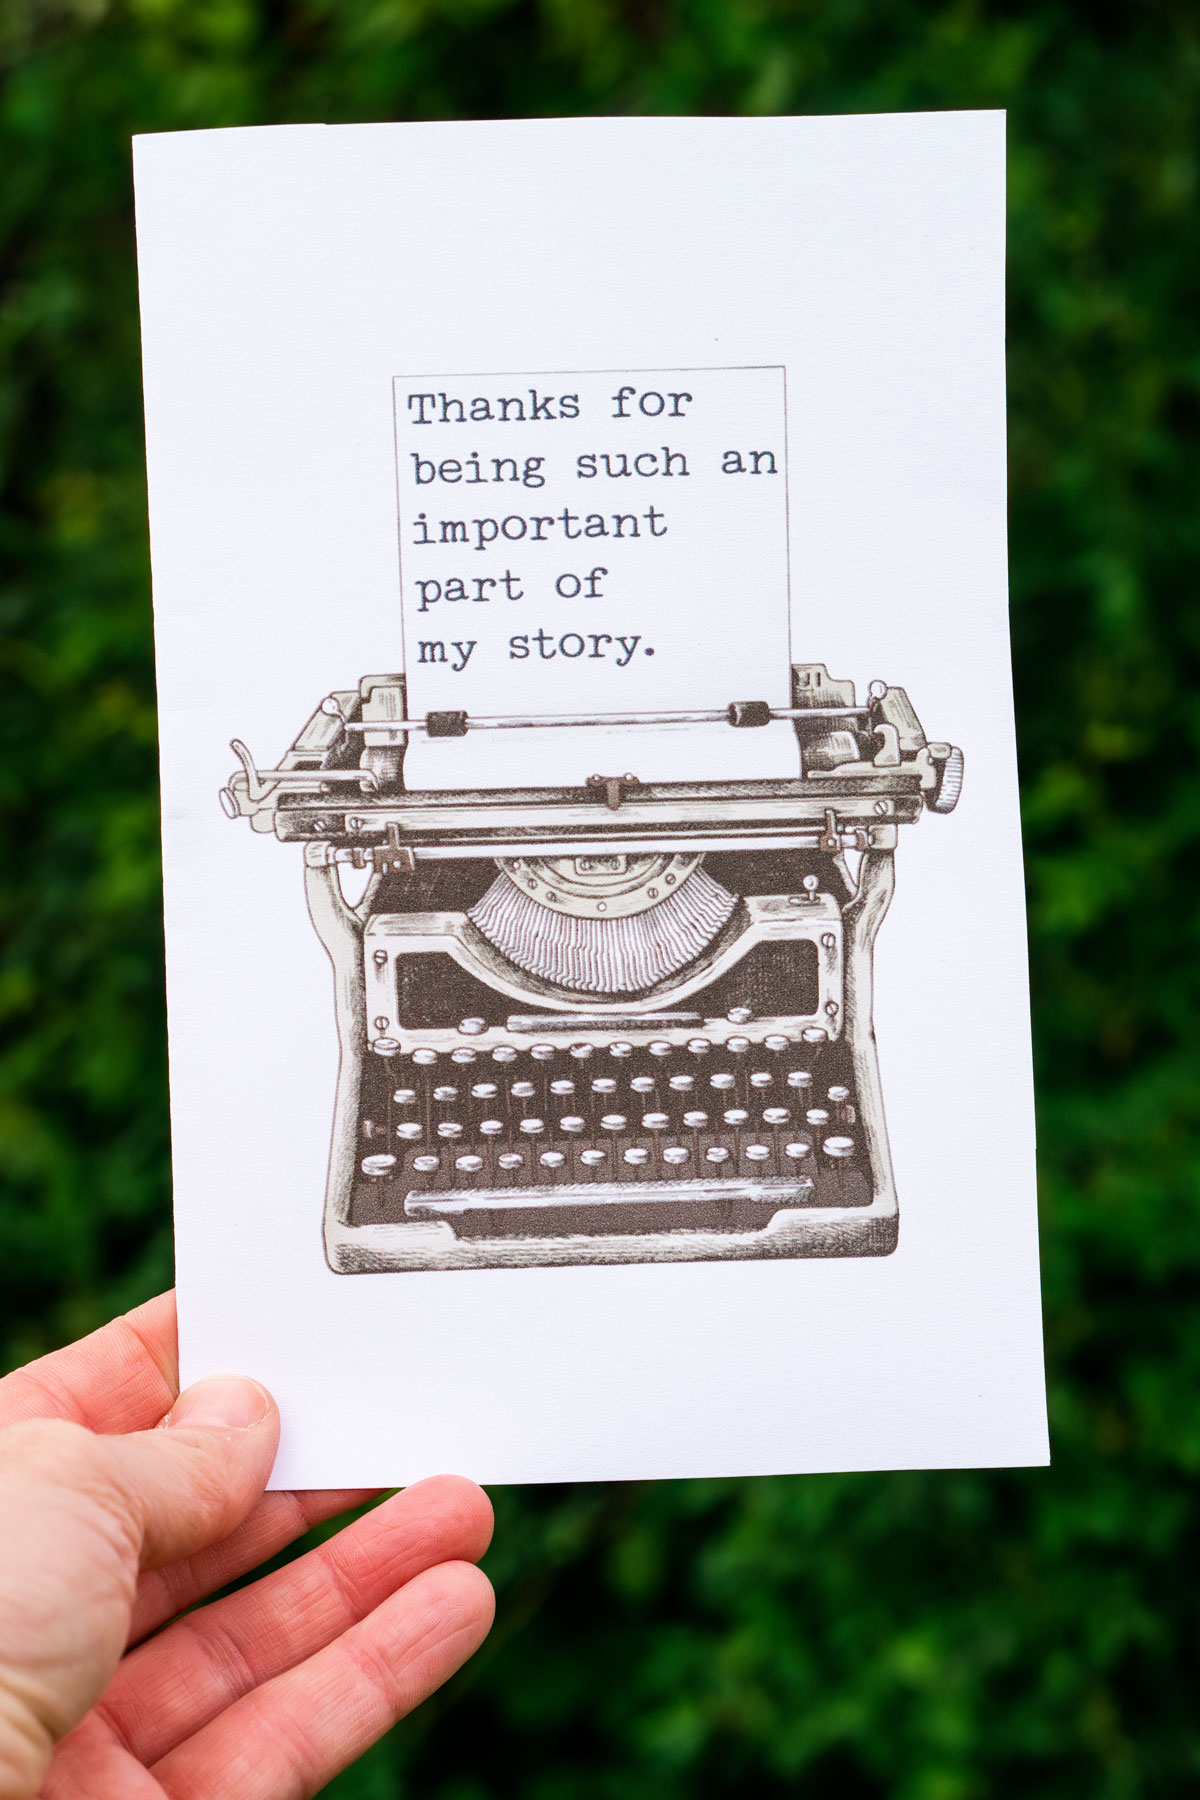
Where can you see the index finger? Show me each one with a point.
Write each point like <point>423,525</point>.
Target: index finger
<point>124,1377</point>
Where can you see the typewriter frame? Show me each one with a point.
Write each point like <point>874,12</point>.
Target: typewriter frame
<point>843,810</point>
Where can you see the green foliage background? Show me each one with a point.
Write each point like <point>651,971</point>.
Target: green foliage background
<point>921,1637</point>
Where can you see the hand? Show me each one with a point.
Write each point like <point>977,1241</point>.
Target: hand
<point>108,1530</point>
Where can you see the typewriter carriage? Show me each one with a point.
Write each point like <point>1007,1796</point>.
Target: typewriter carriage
<point>544,982</point>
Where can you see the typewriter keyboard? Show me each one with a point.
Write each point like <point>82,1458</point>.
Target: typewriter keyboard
<point>609,1137</point>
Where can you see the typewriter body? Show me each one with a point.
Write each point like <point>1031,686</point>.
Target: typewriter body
<point>623,1022</point>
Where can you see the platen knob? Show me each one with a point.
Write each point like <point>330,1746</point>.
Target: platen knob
<point>942,797</point>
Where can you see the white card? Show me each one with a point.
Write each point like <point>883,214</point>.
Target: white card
<point>672,1123</point>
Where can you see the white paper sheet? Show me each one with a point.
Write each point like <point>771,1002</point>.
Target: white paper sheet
<point>563,537</point>
<point>288,277</point>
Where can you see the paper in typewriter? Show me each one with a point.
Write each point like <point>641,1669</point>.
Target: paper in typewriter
<point>599,544</point>
<point>646,1094</point>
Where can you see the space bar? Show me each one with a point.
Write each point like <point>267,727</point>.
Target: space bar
<point>633,1193</point>
<point>525,1024</point>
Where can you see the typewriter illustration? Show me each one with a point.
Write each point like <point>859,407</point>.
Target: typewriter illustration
<point>624,1022</point>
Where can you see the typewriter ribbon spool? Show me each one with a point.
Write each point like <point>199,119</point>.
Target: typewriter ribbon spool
<point>629,1022</point>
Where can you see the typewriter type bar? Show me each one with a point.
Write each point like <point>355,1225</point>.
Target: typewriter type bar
<point>629,1022</point>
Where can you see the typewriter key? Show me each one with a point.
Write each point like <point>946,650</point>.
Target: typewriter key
<point>533,1127</point>
<point>504,1053</point>
<point>463,1054</point>
<point>511,1159</point>
<point>839,1095</point>
<point>838,1148</point>
<point>736,1116</point>
<point>410,1132</point>
<point>572,1124</point>
<point>776,1041</point>
<point>492,1127</point>
<point>797,1151</point>
<point>660,1047</point>
<point>699,1046</point>
<point>581,1052</point>
<point>761,1078</point>
<point>721,1080</point>
<point>552,1159</point>
<point>377,1167</point>
<point>449,1128</point>
<point>813,1034</point>
<point>541,1052</point>
<point>425,1165</point>
<point>591,1159</point>
<point>484,1090</point>
<point>656,1122</point>
<point>445,1093</point>
<point>621,1051</point>
<point>682,1084</point>
<point>523,1090</point>
<point>472,1027</point>
<point>643,1084</point>
<point>604,1084</point>
<point>695,1121</point>
<point>637,1156</point>
<point>739,1015</point>
<point>716,1153</point>
<point>425,1058</point>
<point>614,1122</point>
<point>470,1165</point>
<point>776,1115</point>
<point>739,1045</point>
<point>385,1046</point>
<point>676,1155</point>
<point>562,1087</point>
<point>799,1078</point>
<point>405,1096</point>
<point>758,1152</point>
<point>817,1115</point>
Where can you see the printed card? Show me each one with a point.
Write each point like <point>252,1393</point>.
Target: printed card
<point>596,952</point>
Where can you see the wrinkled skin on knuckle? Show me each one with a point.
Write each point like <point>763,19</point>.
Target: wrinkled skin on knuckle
<point>68,1572</point>
<point>26,1744</point>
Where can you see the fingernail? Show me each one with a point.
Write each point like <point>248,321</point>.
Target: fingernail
<point>221,1402</point>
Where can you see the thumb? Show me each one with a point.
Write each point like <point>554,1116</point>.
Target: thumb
<point>80,1515</point>
<point>194,1479</point>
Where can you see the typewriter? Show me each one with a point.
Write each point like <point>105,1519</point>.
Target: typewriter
<point>622,1022</point>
